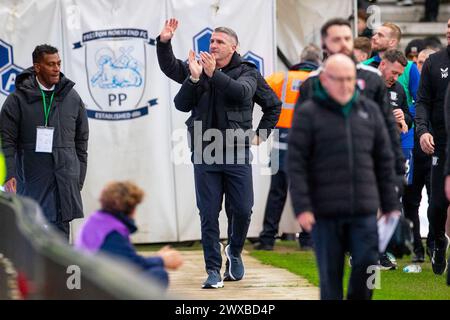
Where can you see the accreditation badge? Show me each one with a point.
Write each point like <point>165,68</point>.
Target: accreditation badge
<point>44,139</point>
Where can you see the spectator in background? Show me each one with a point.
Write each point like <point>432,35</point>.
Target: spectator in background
<point>413,48</point>
<point>362,49</point>
<point>387,37</point>
<point>433,42</point>
<point>423,55</point>
<point>431,11</point>
<point>364,4</point>
<point>108,230</point>
<point>363,29</point>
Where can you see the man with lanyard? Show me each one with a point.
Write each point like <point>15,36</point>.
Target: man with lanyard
<point>44,130</point>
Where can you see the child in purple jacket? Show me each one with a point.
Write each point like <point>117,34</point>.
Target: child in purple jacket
<point>108,230</point>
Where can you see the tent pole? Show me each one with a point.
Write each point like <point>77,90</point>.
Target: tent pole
<point>355,17</point>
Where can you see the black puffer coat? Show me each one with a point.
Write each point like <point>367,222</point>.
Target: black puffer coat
<point>340,165</point>
<point>54,179</point>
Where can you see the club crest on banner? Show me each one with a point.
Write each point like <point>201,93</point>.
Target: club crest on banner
<point>116,71</point>
<point>8,70</point>
<point>201,43</point>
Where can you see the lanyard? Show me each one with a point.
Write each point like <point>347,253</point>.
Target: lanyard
<point>47,109</point>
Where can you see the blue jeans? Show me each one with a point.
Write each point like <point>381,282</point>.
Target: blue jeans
<point>212,182</point>
<point>333,237</point>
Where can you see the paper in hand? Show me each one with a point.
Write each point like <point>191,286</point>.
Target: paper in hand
<point>386,227</point>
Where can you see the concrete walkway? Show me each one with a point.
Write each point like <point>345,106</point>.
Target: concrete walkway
<point>261,282</point>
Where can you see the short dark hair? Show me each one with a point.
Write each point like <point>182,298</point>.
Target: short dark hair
<point>395,56</point>
<point>362,14</point>
<point>433,42</point>
<point>42,49</point>
<point>311,53</point>
<point>228,31</point>
<point>363,44</point>
<point>414,47</point>
<point>333,22</point>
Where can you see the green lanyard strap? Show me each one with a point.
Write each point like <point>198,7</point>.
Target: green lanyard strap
<point>47,109</point>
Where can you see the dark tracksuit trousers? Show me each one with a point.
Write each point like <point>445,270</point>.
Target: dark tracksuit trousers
<point>274,207</point>
<point>439,203</point>
<point>212,182</point>
<point>276,198</point>
<point>431,9</point>
<point>413,193</point>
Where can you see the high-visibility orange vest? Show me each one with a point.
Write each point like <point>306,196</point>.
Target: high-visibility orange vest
<point>286,85</point>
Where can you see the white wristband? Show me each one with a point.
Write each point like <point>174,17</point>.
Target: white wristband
<point>194,80</point>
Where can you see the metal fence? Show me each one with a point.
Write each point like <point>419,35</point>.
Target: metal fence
<point>35,262</point>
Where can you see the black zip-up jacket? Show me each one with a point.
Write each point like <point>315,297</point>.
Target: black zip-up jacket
<point>397,100</point>
<point>340,165</point>
<point>447,122</point>
<point>228,93</point>
<point>371,86</point>
<point>265,97</point>
<point>46,176</point>
<point>431,98</point>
